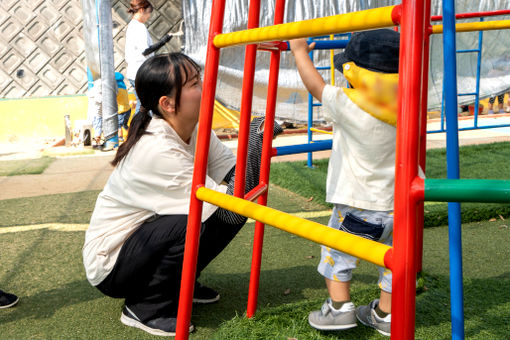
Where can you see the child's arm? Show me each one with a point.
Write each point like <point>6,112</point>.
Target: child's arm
<point>309,74</point>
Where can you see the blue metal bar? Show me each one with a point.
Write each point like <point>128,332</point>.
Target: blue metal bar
<point>325,44</point>
<point>452,168</point>
<point>323,68</point>
<point>478,66</point>
<point>468,51</point>
<point>330,44</point>
<point>302,148</point>
<point>467,94</point>
<point>442,109</point>
<point>309,162</point>
<point>474,128</point>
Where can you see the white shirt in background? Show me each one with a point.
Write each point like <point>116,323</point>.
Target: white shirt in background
<point>138,40</point>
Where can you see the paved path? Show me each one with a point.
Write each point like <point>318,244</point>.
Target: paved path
<point>74,174</point>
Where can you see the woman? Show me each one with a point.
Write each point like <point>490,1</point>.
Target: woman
<point>139,44</point>
<point>134,246</point>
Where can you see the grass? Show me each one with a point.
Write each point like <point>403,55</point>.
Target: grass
<point>42,264</point>
<point>310,183</point>
<point>25,166</point>
<point>42,236</point>
<point>37,166</point>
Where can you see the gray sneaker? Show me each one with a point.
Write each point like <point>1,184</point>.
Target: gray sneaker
<point>330,319</point>
<point>367,316</point>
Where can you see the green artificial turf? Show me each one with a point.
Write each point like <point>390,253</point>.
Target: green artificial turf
<point>44,268</point>
<point>25,166</point>
<point>41,240</point>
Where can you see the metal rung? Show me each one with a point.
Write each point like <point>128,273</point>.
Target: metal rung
<point>468,51</point>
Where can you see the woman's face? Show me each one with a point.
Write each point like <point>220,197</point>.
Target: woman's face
<point>145,14</point>
<point>191,94</point>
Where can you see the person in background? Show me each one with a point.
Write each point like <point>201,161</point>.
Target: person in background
<point>361,170</point>
<point>7,299</point>
<point>123,105</point>
<point>501,99</point>
<point>94,108</point>
<point>139,45</point>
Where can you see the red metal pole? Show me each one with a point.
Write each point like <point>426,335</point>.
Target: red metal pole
<point>204,135</point>
<point>246,102</point>
<point>473,15</point>
<point>406,166</point>
<point>274,68</point>
<point>423,134</point>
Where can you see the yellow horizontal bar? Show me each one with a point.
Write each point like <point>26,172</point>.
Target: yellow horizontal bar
<point>475,26</point>
<point>342,23</point>
<point>321,131</point>
<point>351,244</point>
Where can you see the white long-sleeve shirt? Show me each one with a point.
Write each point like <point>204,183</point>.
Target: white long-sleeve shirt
<point>361,169</point>
<point>154,178</point>
<point>138,40</point>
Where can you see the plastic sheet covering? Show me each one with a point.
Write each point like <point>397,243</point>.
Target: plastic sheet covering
<point>97,30</point>
<point>292,101</point>
<point>90,35</point>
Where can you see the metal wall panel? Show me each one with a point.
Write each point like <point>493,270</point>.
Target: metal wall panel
<point>42,50</point>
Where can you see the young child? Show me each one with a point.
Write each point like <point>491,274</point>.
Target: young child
<point>361,171</point>
<point>124,107</point>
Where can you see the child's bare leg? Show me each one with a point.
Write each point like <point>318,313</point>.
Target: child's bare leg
<point>385,302</point>
<point>338,291</point>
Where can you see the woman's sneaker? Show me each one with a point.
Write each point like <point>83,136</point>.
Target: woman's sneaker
<point>159,326</point>
<point>204,295</point>
<point>331,319</point>
<point>7,300</point>
<point>367,316</point>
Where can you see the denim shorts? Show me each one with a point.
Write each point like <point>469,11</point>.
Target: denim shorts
<point>374,225</point>
<point>124,119</point>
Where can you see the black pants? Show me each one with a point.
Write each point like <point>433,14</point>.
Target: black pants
<point>148,270</point>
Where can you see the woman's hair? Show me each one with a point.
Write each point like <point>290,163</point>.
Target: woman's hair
<point>136,5</point>
<point>160,75</point>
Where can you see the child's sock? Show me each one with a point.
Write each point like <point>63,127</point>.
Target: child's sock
<point>380,313</point>
<point>338,304</point>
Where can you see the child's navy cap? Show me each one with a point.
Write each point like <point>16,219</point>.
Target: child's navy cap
<point>375,50</point>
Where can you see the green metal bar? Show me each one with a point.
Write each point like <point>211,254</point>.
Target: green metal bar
<point>467,190</point>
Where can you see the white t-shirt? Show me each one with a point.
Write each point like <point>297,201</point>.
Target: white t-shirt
<point>138,40</point>
<point>154,178</point>
<point>361,170</point>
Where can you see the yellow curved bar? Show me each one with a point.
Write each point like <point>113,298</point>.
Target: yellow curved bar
<point>321,131</point>
<point>475,26</point>
<point>349,22</point>
<point>351,244</point>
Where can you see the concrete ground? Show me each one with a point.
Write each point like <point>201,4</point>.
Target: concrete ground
<point>90,172</point>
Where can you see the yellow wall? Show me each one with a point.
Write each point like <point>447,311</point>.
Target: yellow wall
<point>35,118</point>
<point>39,117</point>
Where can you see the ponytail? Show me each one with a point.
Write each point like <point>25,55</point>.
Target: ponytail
<point>159,75</point>
<point>136,130</point>
<point>137,5</point>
